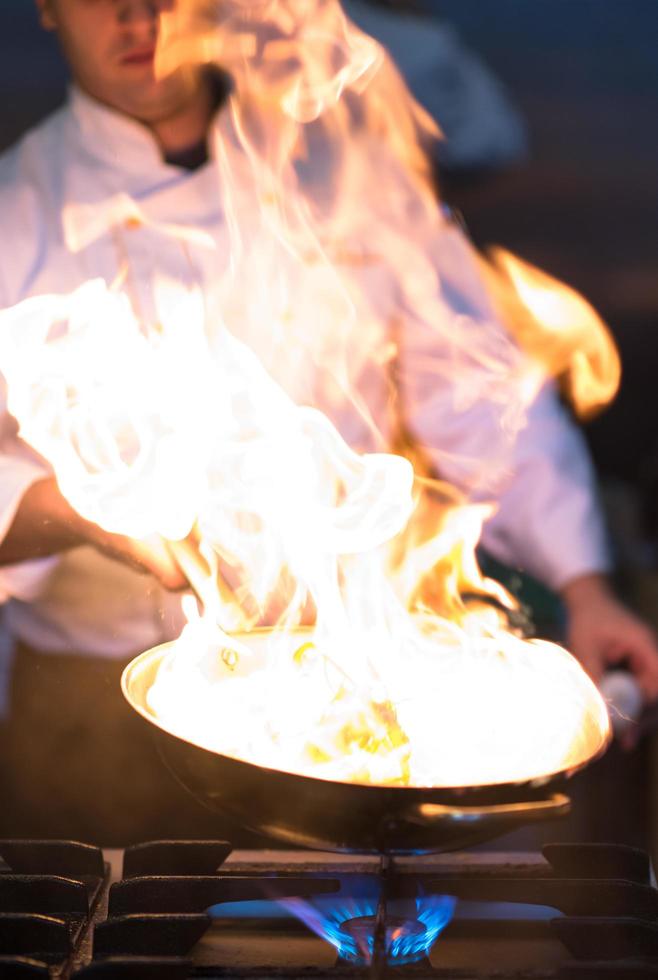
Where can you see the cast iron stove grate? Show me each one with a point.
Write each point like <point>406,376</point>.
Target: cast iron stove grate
<point>62,914</point>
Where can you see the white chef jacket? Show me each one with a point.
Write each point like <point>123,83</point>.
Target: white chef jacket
<point>108,165</point>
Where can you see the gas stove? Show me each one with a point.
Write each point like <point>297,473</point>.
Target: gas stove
<point>169,910</point>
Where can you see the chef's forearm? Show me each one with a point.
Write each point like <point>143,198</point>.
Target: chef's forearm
<point>44,524</point>
<point>586,589</point>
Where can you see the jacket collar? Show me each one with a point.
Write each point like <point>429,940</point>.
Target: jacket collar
<point>113,138</point>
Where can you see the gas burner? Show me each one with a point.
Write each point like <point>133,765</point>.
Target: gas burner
<point>367,922</point>
<point>404,939</point>
<point>174,910</point>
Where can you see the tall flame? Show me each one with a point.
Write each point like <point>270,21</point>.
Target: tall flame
<point>358,294</point>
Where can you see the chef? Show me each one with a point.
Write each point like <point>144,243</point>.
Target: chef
<point>86,194</point>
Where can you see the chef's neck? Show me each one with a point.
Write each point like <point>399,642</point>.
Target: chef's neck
<point>187,124</point>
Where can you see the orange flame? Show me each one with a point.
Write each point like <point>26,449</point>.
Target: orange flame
<point>556,325</point>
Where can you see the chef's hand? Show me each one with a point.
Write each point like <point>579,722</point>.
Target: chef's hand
<point>46,524</point>
<point>602,633</point>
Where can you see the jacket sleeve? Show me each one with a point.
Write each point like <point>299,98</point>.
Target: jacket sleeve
<point>548,520</point>
<point>20,467</point>
<point>465,390</point>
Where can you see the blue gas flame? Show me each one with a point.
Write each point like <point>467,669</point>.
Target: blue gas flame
<point>326,916</point>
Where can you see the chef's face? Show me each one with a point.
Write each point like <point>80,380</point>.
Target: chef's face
<point>110,46</point>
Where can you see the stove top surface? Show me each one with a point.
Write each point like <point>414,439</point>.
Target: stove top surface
<point>195,909</point>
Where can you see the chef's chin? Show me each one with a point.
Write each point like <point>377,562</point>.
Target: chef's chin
<point>135,91</point>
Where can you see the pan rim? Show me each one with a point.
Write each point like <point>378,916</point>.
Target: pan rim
<point>530,784</point>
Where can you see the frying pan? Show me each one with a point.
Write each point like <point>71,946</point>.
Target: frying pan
<point>349,817</point>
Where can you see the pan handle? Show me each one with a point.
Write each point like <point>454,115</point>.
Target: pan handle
<point>432,814</point>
